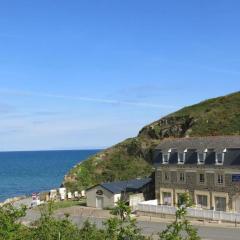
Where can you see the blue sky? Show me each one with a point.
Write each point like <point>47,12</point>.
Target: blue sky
<point>88,74</point>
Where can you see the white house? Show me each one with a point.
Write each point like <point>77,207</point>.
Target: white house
<point>106,195</point>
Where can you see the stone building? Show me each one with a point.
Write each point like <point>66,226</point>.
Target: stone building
<point>208,168</point>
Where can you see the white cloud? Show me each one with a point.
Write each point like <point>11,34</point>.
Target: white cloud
<point>85,99</point>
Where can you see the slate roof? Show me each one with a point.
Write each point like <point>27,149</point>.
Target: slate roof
<point>199,144</point>
<point>218,143</point>
<point>129,185</point>
<point>232,158</point>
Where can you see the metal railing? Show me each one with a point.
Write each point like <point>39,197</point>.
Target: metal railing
<point>192,212</point>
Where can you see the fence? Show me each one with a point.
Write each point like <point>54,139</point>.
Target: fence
<point>192,212</point>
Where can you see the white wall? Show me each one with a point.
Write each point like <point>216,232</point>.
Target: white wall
<point>117,197</point>
<point>108,197</point>
<point>134,199</point>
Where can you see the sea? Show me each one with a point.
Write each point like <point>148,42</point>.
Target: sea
<point>24,173</point>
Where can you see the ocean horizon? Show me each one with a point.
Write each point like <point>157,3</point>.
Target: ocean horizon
<point>25,172</point>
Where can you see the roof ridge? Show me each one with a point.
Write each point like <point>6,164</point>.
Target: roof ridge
<point>199,137</point>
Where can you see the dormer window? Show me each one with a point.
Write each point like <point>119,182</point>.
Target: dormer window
<point>165,158</point>
<point>181,158</point>
<point>219,158</point>
<point>168,156</point>
<point>204,156</point>
<point>201,158</point>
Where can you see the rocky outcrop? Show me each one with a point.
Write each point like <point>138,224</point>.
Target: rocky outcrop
<point>172,126</point>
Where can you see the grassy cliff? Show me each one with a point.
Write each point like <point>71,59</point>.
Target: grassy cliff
<point>132,157</point>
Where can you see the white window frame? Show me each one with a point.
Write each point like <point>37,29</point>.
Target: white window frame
<point>183,157</point>
<point>164,160</point>
<point>217,182</point>
<point>164,174</point>
<point>220,179</point>
<point>179,177</point>
<point>203,158</point>
<point>204,176</point>
<point>222,160</point>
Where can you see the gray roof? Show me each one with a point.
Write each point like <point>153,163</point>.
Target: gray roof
<point>128,185</point>
<point>218,143</point>
<point>199,144</point>
<point>231,158</point>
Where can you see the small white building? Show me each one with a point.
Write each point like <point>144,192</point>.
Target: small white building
<point>76,194</point>
<point>62,193</point>
<point>53,194</point>
<point>106,195</point>
<point>69,195</point>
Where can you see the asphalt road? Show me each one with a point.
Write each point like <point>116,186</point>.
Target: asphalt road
<point>153,228</point>
<point>207,232</point>
<point>210,233</point>
<point>24,201</point>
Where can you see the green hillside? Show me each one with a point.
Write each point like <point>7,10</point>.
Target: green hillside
<point>132,158</point>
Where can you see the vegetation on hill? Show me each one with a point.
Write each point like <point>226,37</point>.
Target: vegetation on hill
<point>133,157</point>
<point>213,117</point>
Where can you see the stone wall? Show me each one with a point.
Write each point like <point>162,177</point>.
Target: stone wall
<point>191,180</point>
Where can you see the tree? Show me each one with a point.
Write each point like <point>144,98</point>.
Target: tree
<point>9,226</point>
<point>181,229</point>
<point>50,228</point>
<point>90,231</point>
<point>122,226</point>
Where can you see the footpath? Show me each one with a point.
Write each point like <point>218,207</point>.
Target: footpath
<point>194,222</point>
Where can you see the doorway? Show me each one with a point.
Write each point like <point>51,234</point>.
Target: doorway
<point>220,204</point>
<point>99,202</point>
<point>167,198</point>
<point>236,202</point>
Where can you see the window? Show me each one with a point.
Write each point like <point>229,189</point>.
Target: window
<point>201,158</point>
<point>220,204</point>
<point>167,198</point>
<point>201,178</point>
<point>165,158</point>
<point>202,201</point>
<point>181,177</point>
<point>219,158</point>
<point>166,176</point>
<point>220,179</point>
<point>181,158</point>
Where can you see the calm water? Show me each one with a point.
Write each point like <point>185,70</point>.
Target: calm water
<point>26,172</point>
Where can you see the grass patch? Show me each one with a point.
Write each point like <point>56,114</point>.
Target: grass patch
<point>68,203</point>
